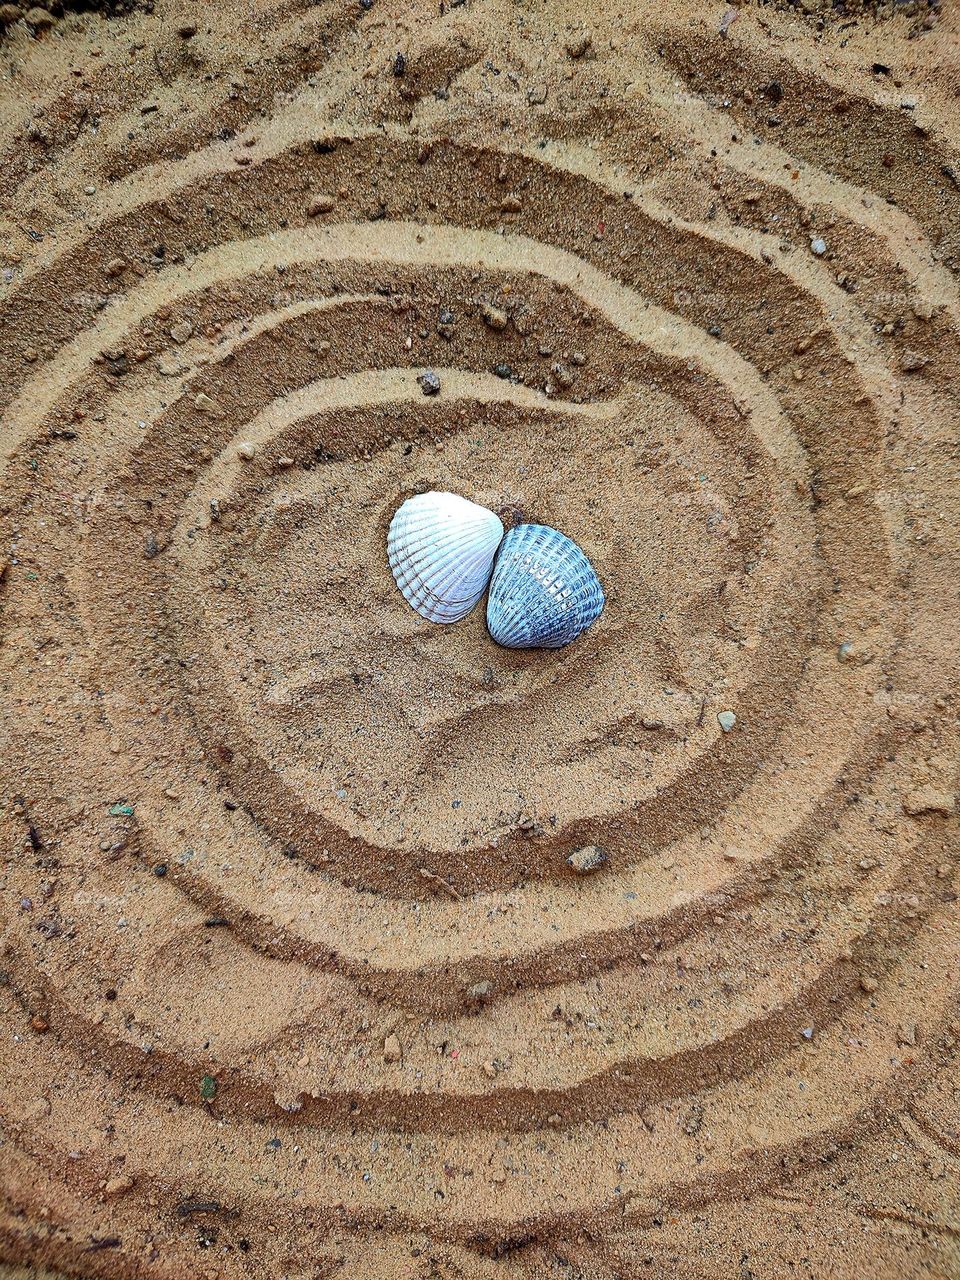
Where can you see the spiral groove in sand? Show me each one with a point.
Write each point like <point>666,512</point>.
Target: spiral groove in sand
<point>295,969</point>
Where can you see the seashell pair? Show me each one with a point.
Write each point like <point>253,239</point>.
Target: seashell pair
<point>543,594</point>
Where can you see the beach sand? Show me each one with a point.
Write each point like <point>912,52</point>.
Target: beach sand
<point>296,978</point>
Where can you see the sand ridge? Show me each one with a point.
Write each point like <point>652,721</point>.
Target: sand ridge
<point>296,978</point>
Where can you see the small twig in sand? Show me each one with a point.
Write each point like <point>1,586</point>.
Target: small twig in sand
<point>439,880</point>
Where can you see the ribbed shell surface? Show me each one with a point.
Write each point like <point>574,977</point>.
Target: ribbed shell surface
<point>441,549</point>
<point>544,591</point>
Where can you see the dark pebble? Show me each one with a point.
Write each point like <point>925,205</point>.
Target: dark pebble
<point>429,383</point>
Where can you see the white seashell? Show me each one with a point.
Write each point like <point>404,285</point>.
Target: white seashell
<point>441,549</point>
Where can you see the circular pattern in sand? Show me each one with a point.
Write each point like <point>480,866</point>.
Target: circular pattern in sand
<point>292,936</point>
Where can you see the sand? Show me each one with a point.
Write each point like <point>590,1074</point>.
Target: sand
<point>296,978</point>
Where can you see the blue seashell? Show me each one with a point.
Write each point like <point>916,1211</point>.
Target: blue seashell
<point>544,592</point>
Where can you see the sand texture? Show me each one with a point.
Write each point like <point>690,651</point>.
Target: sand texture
<point>295,978</point>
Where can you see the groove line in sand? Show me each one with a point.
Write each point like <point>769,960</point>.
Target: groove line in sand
<point>739,1159</point>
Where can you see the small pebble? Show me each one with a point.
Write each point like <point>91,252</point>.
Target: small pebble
<point>392,1051</point>
<point>726,22</point>
<point>118,1186</point>
<point>726,720</point>
<point>913,361</point>
<point>429,383</point>
<point>818,246</point>
<point>578,45</point>
<point>588,859</point>
<point>868,984</point>
<point>494,318</point>
<point>320,204</point>
<point>246,450</point>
